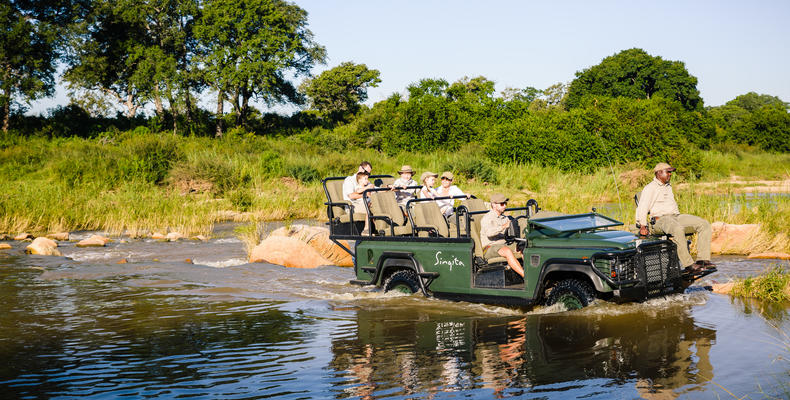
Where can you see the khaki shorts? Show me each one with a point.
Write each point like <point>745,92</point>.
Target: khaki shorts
<point>493,250</point>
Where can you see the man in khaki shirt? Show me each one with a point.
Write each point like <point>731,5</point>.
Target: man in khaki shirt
<point>492,238</point>
<point>658,200</point>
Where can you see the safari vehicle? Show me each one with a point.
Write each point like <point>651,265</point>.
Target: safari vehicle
<point>569,259</point>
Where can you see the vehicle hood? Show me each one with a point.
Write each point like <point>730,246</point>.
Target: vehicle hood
<point>601,239</point>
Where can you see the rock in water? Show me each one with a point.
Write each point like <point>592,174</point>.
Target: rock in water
<point>730,238</point>
<point>60,236</point>
<point>5,246</point>
<point>318,238</point>
<point>44,247</point>
<point>23,236</point>
<point>93,241</point>
<point>289,252</point>
<point>771,256</point>
<point>723,288</point>
<point>173,236</point>
<point>158,236</point>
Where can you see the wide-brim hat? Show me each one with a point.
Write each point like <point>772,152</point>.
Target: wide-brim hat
<point>663,166</point>
<point>498,198</point>
<point>447,174</point>
<point>427,174</point>
<point>406,168</point>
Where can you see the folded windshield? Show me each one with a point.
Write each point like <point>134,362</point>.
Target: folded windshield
<point>571,223</point>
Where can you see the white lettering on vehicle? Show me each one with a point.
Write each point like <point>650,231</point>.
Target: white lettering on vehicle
<point>450,262</point>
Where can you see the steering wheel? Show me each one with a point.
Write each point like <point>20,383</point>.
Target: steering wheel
<point>512,231</point>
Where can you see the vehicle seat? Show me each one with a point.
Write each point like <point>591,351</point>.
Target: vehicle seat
<point>427,215</point>
<point>387,215</point>
<point>478,250</point>
<point>334,189</point>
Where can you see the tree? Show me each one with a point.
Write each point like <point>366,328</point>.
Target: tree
<point>27,58</point>
<point>249,48</point>
<point>634,73</point>
<point>338,92</point>
<point>133,52</point>
<point>752,101</point>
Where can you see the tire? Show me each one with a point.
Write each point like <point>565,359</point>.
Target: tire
<point>573,293</point>
<point>404,281</point>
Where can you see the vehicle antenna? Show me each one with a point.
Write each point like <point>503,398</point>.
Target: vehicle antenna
<point>611,167</point>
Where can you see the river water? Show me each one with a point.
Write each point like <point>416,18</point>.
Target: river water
<point>83,326</point>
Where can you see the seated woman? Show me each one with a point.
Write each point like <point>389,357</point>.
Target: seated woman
<point>427,191</point>
<point>447,188</point>
<point>402,195</point>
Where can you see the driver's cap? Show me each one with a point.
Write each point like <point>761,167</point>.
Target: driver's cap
<point>663,166</point>
<point>498,198</point>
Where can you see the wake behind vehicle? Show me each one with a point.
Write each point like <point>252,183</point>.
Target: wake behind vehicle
<point>568,259</point>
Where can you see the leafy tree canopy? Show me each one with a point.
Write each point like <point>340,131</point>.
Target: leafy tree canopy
<point>752,101</point>
<point>338,92</point>
<point>636,74</point>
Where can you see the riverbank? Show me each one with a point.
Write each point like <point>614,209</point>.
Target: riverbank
<point>139,183</point>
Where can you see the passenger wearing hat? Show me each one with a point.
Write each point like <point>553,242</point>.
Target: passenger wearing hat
<point>658,200</point>
<point>446,188</point>
<point>428,179</point>
<point>492,234</point>
<point>402,195</point>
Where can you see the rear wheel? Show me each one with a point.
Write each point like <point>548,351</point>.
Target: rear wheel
<point>404,281</point>
<point>572,293</point>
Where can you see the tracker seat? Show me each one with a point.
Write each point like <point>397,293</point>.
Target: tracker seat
<point>386,216</point>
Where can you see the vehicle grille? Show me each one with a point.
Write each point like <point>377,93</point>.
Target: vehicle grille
<point>655,266</point>
<point>661,267</point>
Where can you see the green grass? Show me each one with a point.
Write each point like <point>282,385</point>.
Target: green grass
<point>140,182</point>
<point>774,286</point>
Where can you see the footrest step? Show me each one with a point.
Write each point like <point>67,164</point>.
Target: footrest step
<point>358,282</point>
<point>369,270</point>
<point>432,275</point>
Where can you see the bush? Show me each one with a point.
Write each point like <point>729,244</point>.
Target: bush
<point>303,172</point>
<point>149,157</point>
<point>241,199</point>
<point>471,163</point>
<point>223,174</point>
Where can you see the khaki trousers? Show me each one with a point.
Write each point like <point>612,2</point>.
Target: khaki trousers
<point>676,225</point>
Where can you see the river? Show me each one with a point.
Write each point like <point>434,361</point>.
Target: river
<point>84,326</point>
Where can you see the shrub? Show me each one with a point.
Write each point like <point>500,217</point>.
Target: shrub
<point>241,199</point>
<point>303,172</point>
<point>149,157</point>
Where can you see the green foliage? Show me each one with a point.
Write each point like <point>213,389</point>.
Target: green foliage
<point>771,286</point>
<point>249,47</point>
<point>148,157</point>
<point>471,163</point>
<point>303,172</point>
<point>338,92</point>
<point>241,199</point>
<point>756,120</point>
<point>27,57</point>
<point>635,74</point>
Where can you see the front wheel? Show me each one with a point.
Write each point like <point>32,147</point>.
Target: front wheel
<point>572,293</point>
<point>404,281</point>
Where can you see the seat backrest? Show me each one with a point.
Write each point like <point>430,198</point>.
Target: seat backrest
<point>335,190</point>
<point>427,214</point>
<point>474,228</point>
<point>384,204</point>
<point>474,205</point>
<point>383,181</point>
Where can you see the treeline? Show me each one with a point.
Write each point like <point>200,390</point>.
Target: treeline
<point>165,53</point>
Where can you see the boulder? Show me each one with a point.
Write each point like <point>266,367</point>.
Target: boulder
<point>201,238</point>
<point>158,236</point>
<point>731,238</point>
<point>289,252</point>
<point>723,288</point>
<point>23,236</point>
<point>122,261</point>
<point>318,238</point>
<point>5,246</point>
<point>60,236</point>
<point>93,241</point>
<point>771,256</point>
<point>173,236</point>
<point>44,247</point>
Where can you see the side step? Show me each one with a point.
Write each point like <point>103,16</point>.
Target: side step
<point>429,275</point>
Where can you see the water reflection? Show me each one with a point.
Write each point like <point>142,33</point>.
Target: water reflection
<point>402,351</point>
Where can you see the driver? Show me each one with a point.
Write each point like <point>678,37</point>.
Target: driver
<point>492,234</point>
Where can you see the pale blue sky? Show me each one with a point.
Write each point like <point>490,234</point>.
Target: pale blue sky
<point>732,47</point>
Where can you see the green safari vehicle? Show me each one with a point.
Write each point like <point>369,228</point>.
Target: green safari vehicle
<point>568,259</point>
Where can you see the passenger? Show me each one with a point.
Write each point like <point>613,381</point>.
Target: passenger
<point>428,179</point>
<point>358,204</point>
<point>350,183</point>
<point>402,195</point>
<point>658,200</point>
<point>362,184</point>
<point>447,188</point>
<point>492,229</point>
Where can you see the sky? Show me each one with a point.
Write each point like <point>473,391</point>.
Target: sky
<point>732,47</point>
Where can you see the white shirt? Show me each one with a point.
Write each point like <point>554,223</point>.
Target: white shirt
<point>447,205</point>
<point>349,185</point>
<point>657,199</point>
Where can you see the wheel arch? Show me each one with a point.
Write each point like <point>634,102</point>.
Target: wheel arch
<point>555,270</point>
